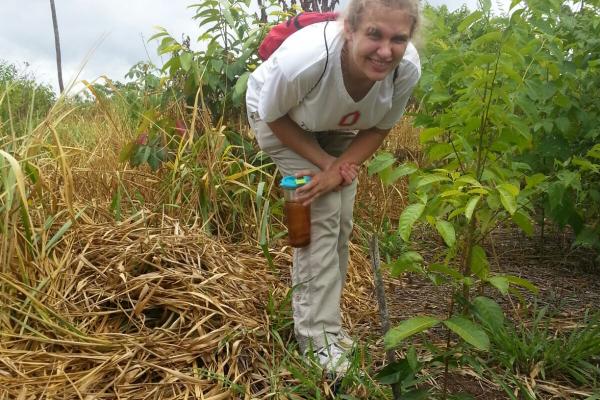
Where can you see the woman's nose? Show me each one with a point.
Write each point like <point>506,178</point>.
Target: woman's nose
<point>385,50</point>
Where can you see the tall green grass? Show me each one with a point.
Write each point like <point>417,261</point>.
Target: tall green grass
<point>536,350</point>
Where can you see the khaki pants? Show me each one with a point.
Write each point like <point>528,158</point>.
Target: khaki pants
<point>319,270</point>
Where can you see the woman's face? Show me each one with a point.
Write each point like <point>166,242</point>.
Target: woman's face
<point>379,43</point>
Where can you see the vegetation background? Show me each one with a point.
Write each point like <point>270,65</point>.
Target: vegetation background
<point>143,252</point>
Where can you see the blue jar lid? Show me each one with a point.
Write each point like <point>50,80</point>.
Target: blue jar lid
<point>291,182</point>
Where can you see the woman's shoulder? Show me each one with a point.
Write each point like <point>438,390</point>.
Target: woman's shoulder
<point>305,51</point>
<point>411,60</point>
<point>409,69</point>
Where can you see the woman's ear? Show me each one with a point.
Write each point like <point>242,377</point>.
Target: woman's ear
<point>347,30</point>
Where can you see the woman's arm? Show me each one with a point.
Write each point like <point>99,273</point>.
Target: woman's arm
<point>362,147</point>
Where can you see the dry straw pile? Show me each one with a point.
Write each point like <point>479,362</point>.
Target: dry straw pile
<point>127,311</point>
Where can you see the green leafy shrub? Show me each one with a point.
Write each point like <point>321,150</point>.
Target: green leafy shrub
<point>560,97</point>
<point>23,101</point>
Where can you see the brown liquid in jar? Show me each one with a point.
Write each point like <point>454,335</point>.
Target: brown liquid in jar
<point>298,223</point>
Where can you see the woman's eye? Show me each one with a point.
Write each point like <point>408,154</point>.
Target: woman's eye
<point>373,34</point>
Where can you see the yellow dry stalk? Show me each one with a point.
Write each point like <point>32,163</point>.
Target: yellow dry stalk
<point>66,171</point>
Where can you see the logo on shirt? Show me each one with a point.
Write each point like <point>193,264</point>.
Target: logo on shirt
<point>349,119</point>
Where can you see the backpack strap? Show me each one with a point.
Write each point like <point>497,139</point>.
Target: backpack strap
<point>326,59</point>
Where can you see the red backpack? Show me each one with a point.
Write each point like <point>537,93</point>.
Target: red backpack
<point>281,31</point>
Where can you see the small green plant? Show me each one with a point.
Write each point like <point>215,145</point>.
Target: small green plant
<point>390,242</point>
<point>403,374</point>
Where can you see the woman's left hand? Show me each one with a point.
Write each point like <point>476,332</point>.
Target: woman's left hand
<point>348,171</point>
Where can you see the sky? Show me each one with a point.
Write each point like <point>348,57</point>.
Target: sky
<point>101,37</point>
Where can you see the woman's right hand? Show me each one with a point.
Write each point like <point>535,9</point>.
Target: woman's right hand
<point>321,183</point>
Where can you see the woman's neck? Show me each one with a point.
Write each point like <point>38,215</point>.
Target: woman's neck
<point>356,85</point>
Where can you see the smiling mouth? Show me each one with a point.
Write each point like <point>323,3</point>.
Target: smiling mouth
<point>379,64</point>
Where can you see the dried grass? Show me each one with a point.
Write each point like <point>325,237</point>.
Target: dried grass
<point>129,311</point>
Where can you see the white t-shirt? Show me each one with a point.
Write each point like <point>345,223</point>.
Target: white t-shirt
<point>282,85</point>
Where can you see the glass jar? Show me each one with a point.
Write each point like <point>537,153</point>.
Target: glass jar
<point>297,216</point>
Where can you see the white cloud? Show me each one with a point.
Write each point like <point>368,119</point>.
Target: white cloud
<point>123,27</point>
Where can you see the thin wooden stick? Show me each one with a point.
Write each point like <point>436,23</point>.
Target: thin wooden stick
<point>383,311</point>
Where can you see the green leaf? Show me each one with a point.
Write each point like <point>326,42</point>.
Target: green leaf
<point>217,64</point>
<point>563,124</point>
<point>469,180</point>
<point>439,151</point>
<point>115,204</point>
<point>429,179</point>
<point>446,270</point>
<point>162,32</point>
<point>487,38</point>
<point>391,175</point>
<point>508,197</point>
<point>394,373</point>
<point>534,180</point>
<point>380,162</point>
<point>154,160</point>
<point>513,3</point>
<point>500,283</point>
<point>480,190</point>
<point>588,237</point>
<point>594,152</point>
<point>63,229</point>
<point>240,87</point>
<point>410,261</point>
<point>469,20</point>
<point>407,219</point>
<point>489,312</point>
<point>407,328</point>
<point>521,218</point>
<point>479,262</point>
<point>411,357</point>
<point>446,230</point>
<point>470,207</point>
<point>524,283</point>
<point>429,134</point>
<point>225,10</point>
<point>141,155</point>
<point>186,61</point>
<point>439,97</point>
<point>32,171</point>
<point>556,192</point>
<point>469,332</point>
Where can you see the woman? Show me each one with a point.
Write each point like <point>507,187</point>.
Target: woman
<point>321,105</point>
